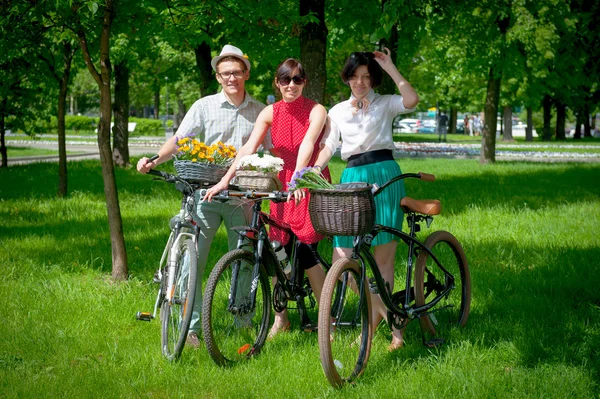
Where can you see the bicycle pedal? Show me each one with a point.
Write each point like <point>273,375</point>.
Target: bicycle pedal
<point>373,286</point>
<point>433,343</point>
<point>310,327</point>
<point>144,316</point>
<point>156,277</point>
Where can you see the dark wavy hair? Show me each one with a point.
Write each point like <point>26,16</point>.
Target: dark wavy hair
<point>357,59</point>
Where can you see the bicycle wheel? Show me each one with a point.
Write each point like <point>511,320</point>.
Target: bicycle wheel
<point>345,334</point>
<point>234,330</point>
<point>430,281</point>
<point>176,313</point>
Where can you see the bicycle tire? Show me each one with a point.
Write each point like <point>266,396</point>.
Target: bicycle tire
<point>176,314</point>
<point>453,310</point>
<point>234,336</point>
<point>344,349</point>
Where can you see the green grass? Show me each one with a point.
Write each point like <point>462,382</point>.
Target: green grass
<point>18,152</point>
<point>529,231</point>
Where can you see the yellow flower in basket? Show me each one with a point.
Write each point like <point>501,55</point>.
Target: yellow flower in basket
<point>197,151</point>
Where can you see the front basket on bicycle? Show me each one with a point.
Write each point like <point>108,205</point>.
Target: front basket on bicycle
<point>200,172</point>
<point>346,210</point>
<point>255,180</point>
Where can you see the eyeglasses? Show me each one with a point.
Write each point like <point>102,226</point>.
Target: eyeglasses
<point>227,74</point>
<point>364,54</point>
<point>297,79</point>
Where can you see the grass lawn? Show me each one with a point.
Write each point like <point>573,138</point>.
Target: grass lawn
<point>18,152</point>
<point>529,231</point>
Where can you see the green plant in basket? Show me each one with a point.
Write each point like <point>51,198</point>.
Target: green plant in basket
<point>197,151</point>
<point>309,177</point>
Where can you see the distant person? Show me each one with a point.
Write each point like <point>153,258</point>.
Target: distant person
<point>270,99</point>
<point>476,125</point>
<point>442,126</point>
<point>467,126</point>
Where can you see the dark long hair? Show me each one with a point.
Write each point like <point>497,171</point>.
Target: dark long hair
<point>359,58</point>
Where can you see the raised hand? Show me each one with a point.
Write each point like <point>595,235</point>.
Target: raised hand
<point>384,59</point>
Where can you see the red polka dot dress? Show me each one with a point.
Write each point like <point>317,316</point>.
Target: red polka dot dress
<point>290,123</point>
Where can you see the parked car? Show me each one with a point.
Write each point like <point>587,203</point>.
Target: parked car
<point>407,125</point>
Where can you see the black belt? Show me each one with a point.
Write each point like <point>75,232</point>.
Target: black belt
<point>367,158</point>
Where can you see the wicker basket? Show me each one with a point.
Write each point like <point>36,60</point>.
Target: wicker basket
<point>200,172</point>
<point>347,210</point>
<point>254,180</point>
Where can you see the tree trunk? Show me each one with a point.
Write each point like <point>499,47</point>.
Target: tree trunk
<point>547,104</point>
<point>529,128</point>
<point>577,134</point>
<point>387,85</point>
<point>157,100</point>
<point>3,151</point>
<point>587,131</point>
<point>62,109</point>
<point>120,152</point>
<point>490,112</point>
<point>178,117</point>
<point>203,58</point>
<point>313,44</point>
<point>453,120</point>
<point>119,254</point>
<point>507,116</point>
<point>561,113</point>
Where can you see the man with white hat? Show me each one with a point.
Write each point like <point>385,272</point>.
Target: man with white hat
<point>227,116</point>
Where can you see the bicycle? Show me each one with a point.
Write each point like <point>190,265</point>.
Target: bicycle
<point>236,309</point>
<point>177,271</point>
<point>439,298</point>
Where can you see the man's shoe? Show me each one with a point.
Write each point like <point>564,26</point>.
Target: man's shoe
<point>192,340</point>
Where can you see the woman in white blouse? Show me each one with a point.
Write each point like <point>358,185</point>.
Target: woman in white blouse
<point>364,125</point>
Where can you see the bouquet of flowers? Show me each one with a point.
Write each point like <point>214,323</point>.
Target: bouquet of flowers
<point>259,173</point>
<point>309,177</point>
<point>199,162</point>
<point>265,164</point>
<point>196,151</point>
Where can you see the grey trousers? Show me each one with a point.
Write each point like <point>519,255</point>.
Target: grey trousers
<point>210,216</point>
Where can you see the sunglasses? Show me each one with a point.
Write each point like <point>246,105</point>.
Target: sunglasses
<point>297,79</point>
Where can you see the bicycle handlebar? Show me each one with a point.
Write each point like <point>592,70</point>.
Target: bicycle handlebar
<point>420,175</point>
<point>225,195</point>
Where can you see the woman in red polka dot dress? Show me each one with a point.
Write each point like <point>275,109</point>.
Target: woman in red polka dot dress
<point>297,125</point>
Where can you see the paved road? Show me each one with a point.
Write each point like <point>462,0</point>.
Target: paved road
<point>77,151</point>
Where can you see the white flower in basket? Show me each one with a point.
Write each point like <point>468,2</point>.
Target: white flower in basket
<point>259,173</point>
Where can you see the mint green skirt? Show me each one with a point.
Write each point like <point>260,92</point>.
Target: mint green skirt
<point>387,203</point>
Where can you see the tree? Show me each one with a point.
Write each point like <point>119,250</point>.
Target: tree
<point>313,44</point>
<point>89,14</point>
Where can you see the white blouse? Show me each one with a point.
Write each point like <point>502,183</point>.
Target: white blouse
<point>361,130</point>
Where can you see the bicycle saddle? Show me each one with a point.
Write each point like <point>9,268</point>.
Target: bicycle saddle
<point>426,207</point>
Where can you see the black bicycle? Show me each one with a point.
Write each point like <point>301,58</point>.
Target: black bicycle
<point>438,295</point>
<point>236,309</point>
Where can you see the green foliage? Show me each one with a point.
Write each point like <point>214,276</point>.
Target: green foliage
<point>147,127</point>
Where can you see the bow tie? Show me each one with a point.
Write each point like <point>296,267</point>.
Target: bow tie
<point>360,104</point>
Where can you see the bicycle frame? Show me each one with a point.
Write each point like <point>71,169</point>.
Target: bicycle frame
<point>361,252</point>
<point>256,234</point>
<point>184,227</point>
